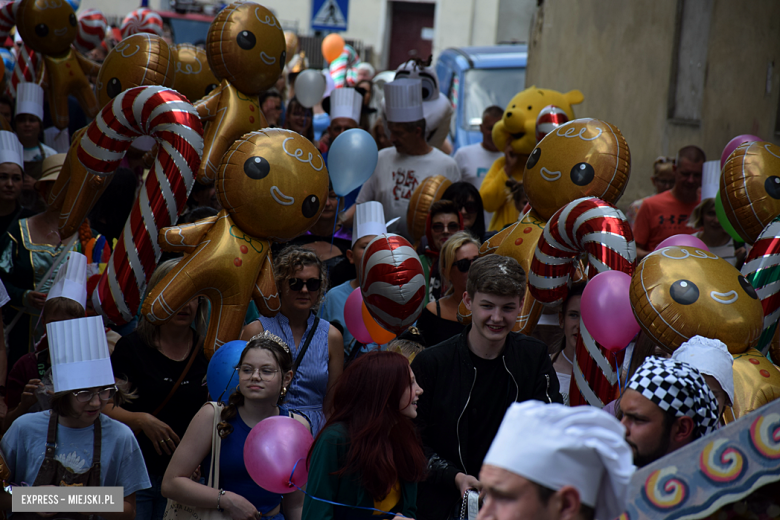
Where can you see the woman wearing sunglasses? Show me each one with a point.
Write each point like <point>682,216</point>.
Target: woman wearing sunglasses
<point>443,221</point>
<point>469,202</point>
<point>317,347</point>
<point>439,319</point>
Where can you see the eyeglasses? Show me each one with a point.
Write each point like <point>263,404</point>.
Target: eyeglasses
<point>464,264</point>
<point>452,227</point>
<point>470,206</point>
<point>105,394</point>
<point>312,284</point>
<point>265,372</point>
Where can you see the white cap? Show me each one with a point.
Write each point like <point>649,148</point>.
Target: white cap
<point>57,139</point>
<point>556,446</point>
<point>369,220</point>
<point>710,180</point>
<point>710,357</point>
<point>79,354</point>
<point>346,102</point>
<point>71,280</point>
<point>403,100</point>
<point>11,150</point>
<point>29,99</point>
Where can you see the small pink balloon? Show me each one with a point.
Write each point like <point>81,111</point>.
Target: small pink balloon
<point>683,240</point>
<point>275,447</point>
<point>606,310</point>
<point>734,143</point>
<point>353,316</point>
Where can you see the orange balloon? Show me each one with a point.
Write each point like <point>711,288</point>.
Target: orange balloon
<point>377,332</point>
<point>332,47</point>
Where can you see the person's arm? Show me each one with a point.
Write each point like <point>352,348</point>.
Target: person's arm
<point>335,363</point>
<point>250,330</point>
<point>292,505</point>
<point>163,438</point>
<point>28,399</point>
<point>641,229</point>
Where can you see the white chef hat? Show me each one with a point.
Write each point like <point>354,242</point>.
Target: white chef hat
<point>79,354</point>
<point>403,100</point>
<point>346,102</point>
<point>710,357</point>
<point>369,220</point>
<point>11,150</point>
<point>556,446</point>
<point>29,99</point>
<point>71,280</point>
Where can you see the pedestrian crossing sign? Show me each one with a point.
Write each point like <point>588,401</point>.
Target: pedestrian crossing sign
<point>329,15</point>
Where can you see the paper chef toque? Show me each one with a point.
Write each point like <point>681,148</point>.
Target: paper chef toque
<point>581,447</point>
<point>346,102</point>
<point>710,180</point>
<point>403,100</point>
<point>710,357</point>
<point>11,150</point>
<point>79,354</point>
<point>369,220</point>
<point>71,280</point>
<point>29,99</point>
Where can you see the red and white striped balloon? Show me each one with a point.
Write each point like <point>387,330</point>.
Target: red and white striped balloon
<point>142,20</point>
<point>167,116</point>
<point>550,118</point>
<point>27,60</point>
<point>92,30</point>
<point>393,283</point>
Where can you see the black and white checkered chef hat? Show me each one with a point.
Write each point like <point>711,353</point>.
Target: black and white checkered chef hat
<point>679,388</point>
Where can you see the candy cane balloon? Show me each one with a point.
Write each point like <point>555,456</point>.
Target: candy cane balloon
<point>167,116</point>
<point>142,21</point>
<point>598,229</point>
<point>27,60</point>
<point>762,270</point>
<point>92,30</point>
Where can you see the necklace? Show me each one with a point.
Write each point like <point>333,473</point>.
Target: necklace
<point>563,353</point>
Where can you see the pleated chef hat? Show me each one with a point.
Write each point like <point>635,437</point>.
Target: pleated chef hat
<point>369,220</point>
<point>71,280</point>
<point>29,99</point>
<point>79,354</point>
<point>403,100</point>
<point>556,446</point>
<point>11,150</point>
<point>346,102</point>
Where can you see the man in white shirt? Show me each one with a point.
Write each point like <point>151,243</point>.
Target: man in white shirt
<point>401,168</point>
<point>475,160</point>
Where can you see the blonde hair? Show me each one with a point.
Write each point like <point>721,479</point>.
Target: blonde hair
<point>293,259</point>
<point>450,250</point>
<point>662,165</point>
<point>406,347</point>
<point>697,215</point>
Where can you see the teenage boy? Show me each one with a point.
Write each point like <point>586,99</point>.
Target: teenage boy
<point>471,379</point>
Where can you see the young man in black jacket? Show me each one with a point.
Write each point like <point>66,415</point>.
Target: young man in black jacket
<point>471,379</point>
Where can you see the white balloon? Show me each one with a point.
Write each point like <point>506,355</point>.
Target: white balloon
<point>309,87</point>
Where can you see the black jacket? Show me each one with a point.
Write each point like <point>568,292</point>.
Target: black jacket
<point>446,374</point>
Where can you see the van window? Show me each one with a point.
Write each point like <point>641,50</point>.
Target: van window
<point>453,97</point>
<point>486,87</point>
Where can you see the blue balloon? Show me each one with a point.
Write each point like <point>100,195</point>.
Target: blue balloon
<point>75,4</point>
<point>222,376</point>
<point>351,160</point>
<point>9,62</point>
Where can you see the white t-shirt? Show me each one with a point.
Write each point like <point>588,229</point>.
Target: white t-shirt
<point>34,154</point>
<point>474,161</point>
<point>397,175</point>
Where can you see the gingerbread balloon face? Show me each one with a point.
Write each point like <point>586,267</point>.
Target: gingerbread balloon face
<point>193,78</point>
<point>750,188</point>
<point>246,46</point>
<point>582,158</point>
<point>136,61</point>
<point>274,184</point>
<point>47,26</point>
<point>681,292</point>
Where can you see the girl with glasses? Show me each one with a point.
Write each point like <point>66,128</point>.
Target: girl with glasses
<point>469,203</point>
<point>299,119</point>
<point>301,282</point>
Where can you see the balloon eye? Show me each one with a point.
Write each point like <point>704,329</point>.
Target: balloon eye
<point>41,30</point>
<point>257,168</point>
<point>749,289</point>
<point>311,205</point>
<point>772,186</point>
<point>113,88</point>
<point>684,292</point>
<point>582,174</point>
<point>534,158</point>
<point>209,88</point>
<point>72,19</point>
<point>246,40</point>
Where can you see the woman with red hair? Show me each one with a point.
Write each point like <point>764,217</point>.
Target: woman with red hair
<point>369,455</point>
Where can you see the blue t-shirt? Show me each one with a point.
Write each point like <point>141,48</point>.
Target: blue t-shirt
<point>121,462</point>
<point>332,310</point>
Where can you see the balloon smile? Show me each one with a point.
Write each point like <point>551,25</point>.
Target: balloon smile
<point>726,298</point>
<point>549,176</point>
<point>61,32</point>
<point>281,198</point>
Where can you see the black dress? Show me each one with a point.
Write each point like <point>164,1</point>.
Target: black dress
<point>434,329</point>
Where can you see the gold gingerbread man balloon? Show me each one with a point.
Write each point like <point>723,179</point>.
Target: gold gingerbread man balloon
<point>49,27</point>
<point>246,52</point>
<point>272,185</point>
<point>193,78</point>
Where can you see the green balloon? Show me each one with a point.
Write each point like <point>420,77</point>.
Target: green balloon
<point>724,220</point>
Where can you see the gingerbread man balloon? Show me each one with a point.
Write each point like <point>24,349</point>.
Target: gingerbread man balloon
<point>49,27</point>
<point>272,185</point>
<point>246,52</point>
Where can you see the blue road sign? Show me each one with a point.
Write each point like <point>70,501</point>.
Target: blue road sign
<point>329,15</point>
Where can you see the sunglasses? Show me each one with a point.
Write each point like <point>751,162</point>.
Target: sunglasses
<point>464,264</point>
<point>312,284</point>
<point>470,207</point>
<point>452,227</point>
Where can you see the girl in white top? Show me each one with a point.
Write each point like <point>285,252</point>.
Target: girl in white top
<point>569,320</point>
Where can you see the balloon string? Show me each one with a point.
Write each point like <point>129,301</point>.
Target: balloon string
<point>617,368</point>
<point>335,221</point>
<point>227,385</point>
<point>291,484</point>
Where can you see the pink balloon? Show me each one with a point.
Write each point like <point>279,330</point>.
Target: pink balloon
<point>606,310</point>
<point>273,448</point>
<point>734,143</point>
<point>353,316</point>
<point>683,240</point>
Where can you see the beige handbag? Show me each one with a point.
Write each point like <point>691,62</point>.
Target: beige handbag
<point>178,511</point>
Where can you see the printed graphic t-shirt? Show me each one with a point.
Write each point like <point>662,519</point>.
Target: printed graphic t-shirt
<point>660,217</point>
